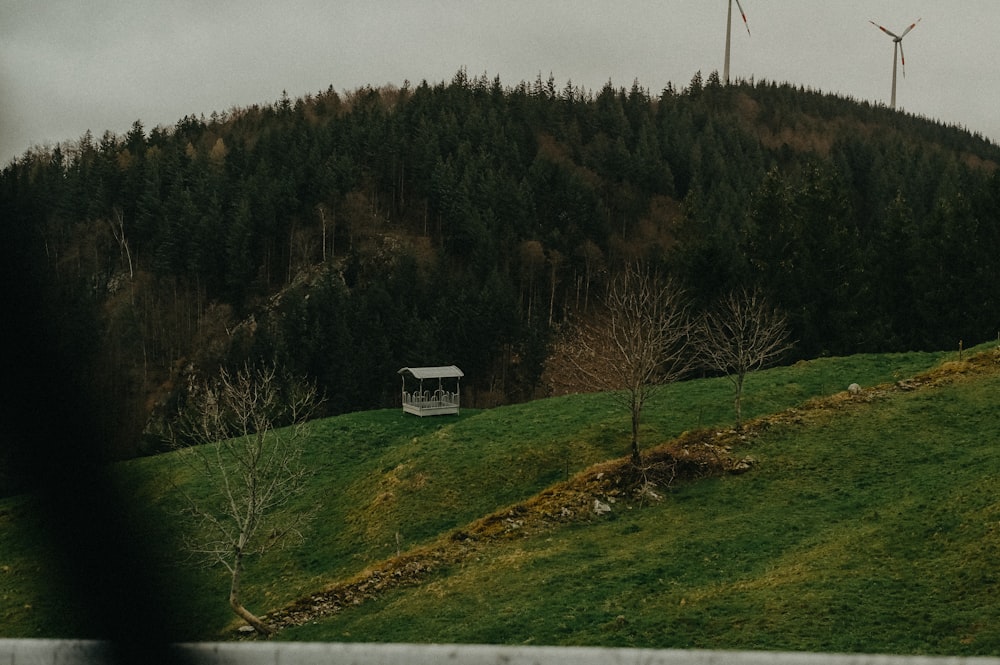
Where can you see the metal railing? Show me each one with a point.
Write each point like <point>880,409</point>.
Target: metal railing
<point>438,401</point>
<point>82,652</point>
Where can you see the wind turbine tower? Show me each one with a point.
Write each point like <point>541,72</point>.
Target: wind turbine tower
<point>897,54</point>
<point>729,28</point>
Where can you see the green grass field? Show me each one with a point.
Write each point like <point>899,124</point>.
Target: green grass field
<point>874,528</point>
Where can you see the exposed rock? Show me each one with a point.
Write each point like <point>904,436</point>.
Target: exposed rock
<point>513,525</point>
<point>600,508</point>
<point>854,389</point>
<point>743,465</point>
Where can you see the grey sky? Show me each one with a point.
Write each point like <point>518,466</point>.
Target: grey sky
<point>71,65</point>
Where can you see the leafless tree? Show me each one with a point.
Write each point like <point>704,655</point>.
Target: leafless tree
<point>638,344</point>
<point>247,431</point>
<point>118,231</point>
<point>741,334</point>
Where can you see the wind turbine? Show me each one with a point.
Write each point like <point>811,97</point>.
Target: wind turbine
<point>729,27</point>
<point>897,50</point>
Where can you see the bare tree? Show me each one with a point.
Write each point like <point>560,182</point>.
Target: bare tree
<point>742,334</point>
<point>118,231</point>
<point>246,429</point>
<point>639,343</point>
<point>332,225</point>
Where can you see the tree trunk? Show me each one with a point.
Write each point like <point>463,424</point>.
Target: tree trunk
<point>739,403</point>
<point>636,457</point>
<point>236,604</point>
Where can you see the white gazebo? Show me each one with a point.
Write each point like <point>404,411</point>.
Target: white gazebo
<point>428,402</point>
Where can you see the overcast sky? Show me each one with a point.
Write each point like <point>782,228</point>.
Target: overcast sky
<point>67,66</point>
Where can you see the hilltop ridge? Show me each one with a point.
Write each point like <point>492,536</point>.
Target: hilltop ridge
<point>466,222</point>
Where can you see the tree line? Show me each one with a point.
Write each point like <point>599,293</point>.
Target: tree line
<point>345,235</point>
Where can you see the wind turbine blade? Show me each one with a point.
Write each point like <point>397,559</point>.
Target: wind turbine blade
<point>743,14</point>
<point>912,26</point>
<point>902,58</point>
<point>885,30</point>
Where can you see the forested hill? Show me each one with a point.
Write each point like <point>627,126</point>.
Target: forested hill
<point>346,235</point>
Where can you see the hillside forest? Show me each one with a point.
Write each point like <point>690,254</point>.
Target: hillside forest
<point>344,235</point>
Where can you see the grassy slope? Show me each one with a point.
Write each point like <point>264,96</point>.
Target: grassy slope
<point>399,481</point>
<point>874,529</point>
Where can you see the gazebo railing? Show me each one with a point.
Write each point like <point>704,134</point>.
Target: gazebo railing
<point>428,398</point>
<point>429,402</point>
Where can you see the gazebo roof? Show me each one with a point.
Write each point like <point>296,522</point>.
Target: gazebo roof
<point>442,372</point>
